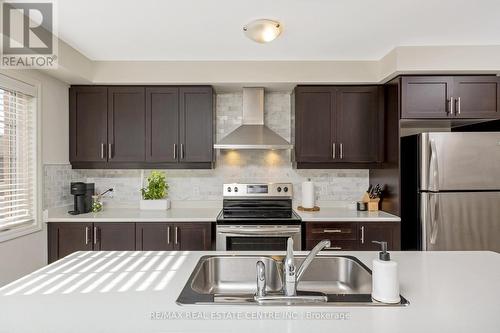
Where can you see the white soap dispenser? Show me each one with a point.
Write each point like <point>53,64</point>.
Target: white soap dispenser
<point>385,278</point>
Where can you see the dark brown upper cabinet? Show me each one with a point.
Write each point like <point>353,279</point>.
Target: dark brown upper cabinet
<point>360,124</point>
<point>338,126</point>
<point>449,97</point>
<point>477,97</point>
<point>314,124</point>
<point>162,125</point>
<point>88,124</point>
<point>141,127</point>
<point>126,124</point>
<point>196,124</point>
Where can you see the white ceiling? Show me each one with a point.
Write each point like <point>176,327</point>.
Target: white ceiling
<point>313,29</point>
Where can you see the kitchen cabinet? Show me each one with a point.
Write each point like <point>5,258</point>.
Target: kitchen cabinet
<point>450,97</point>
<point>352,236</point>
<point>155,236</point>
<point>477,97</point>
<point>389,232</point>
<point>315,124</point>
<point>114,236</point>
<point>126,124</point>
<point>66,238</point>
<point>360,126</point>
<point>141,127</point>
<point>196,124</point>
<point>88,107</point>
<point>162,124</point>
<point>193,236</point>
<point>339,126</point>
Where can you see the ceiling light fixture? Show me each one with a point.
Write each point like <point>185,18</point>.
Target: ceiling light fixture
<point>263,30</point>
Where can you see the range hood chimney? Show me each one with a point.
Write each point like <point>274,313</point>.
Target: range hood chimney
<point>253,134</point>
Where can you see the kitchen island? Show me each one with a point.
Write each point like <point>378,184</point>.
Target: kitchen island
<point>137,292</point>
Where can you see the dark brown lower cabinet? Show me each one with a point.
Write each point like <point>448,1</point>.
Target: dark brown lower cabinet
<point>153,236</point>
<point>174,236</point>
<point>67,237</point>
<point>193,236</point>
<point>114,236</point>
<point>352,236</point>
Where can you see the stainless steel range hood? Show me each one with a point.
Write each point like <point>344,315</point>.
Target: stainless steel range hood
<point>253,134</point>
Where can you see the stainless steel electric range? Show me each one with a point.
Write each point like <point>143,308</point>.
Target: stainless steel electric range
<point>257,217</point>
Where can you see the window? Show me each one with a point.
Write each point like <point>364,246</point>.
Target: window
<point>18,155</point>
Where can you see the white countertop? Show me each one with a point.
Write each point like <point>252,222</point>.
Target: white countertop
<point>343,214</point>
<point>136,215</point>
<point>119,291</point>
<point>207,214</point>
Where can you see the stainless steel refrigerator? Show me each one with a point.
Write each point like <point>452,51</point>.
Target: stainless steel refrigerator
<point>450,191</point>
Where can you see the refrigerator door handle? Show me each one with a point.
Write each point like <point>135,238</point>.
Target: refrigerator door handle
<point>434,213</point>
<point>433,168</point>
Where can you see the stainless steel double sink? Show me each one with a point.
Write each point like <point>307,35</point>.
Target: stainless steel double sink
<point>231,279</point>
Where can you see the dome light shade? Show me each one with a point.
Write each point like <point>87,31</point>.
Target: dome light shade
<point>262,31</point>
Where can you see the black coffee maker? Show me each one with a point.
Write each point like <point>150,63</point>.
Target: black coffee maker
<point>83,193</point>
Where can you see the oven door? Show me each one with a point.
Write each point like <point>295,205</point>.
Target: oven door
<point>257,237</point>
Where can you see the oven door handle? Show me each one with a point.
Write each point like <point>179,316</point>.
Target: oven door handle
<point>259,232</point>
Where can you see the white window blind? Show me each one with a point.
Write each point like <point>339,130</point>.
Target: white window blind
<point>17,156</point>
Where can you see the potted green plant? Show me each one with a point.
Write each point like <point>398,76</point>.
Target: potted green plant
<point>154,195</point>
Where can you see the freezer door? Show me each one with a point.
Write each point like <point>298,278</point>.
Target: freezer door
<point>459,161</point>
<point>460,221</point>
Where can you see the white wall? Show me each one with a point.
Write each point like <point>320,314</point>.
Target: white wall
<point>25,254</point>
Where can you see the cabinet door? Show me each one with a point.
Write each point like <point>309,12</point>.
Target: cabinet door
<point>193,236</point>
<point>314,124</point>
<point>111,236</point>
<point>379,231</point>
<point>88,124</point>
<point>426,97</point>
<point>359,112</point>
<point>162,124</point>
<point>154,237</point>
<point>69,237</point>
<point>126,124</point>
<point>196,124</point>
<point>476,96</point>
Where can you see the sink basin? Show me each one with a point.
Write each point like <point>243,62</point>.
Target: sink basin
<point>233,275</point>
<point>231,279</point>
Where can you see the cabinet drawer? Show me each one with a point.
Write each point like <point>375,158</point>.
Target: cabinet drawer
<point>331,230</point>
<point>336,245</point>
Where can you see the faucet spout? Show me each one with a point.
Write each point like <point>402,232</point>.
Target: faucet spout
<point>307,261</point>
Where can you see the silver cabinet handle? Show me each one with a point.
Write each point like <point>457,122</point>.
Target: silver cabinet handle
<point>87,236</point>
<point>110,150</point>
<point>333,150</point>
<point>168,235</point>
<point>95,235</point>
<point>450,111</point>
<point>458,105</point>
<point>362,234</point>
<point>341,151</point>
<point>332,231</point>
<point>182,151</point>
<point>175,151</point>
<point>176,235</point>
<point>334,248</point>
<point>102,151</point>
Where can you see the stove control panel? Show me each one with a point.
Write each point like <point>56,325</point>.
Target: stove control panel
<point>283,190</point>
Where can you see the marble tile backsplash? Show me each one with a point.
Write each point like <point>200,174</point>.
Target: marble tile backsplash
<point>231,166</point>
